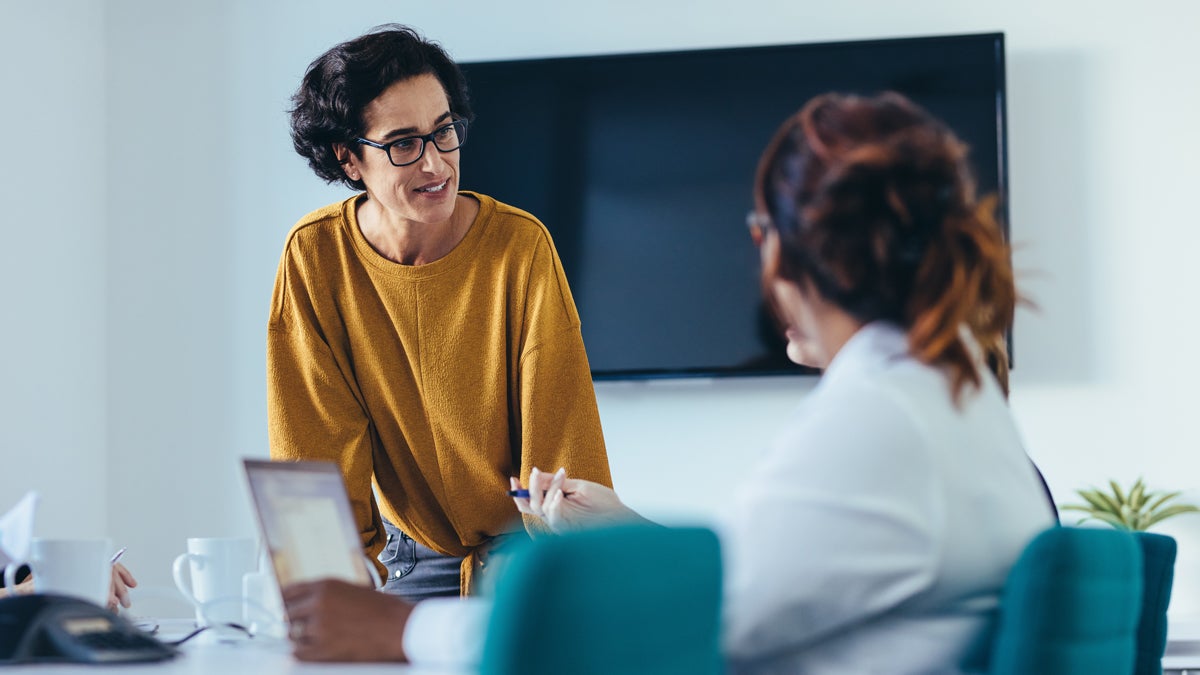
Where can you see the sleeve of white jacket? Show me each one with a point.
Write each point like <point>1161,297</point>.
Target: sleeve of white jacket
<point>447,631</point>
<point>836,524</point>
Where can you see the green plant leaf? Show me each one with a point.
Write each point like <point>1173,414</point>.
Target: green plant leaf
<point>1112,520</point>
<point>1127,515</point>
<point>1116,490</point>
<point>1163,499</point>
<point>1137,495</point>
<point>1139,522</point>
<point>1099,500</point>
<point>1148,498</point>
<point>1077,507</point>
<point>1171,511</point>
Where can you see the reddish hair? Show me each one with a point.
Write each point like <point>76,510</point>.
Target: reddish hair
<point>875,206</point>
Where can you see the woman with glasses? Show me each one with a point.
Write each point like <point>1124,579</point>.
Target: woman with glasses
<point>421,337</point>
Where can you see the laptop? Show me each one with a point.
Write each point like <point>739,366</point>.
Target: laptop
<point>305,518</point>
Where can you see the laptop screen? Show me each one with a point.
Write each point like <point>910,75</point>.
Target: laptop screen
<point>306,521</point>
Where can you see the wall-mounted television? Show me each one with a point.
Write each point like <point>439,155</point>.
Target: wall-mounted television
<point>641,165</point>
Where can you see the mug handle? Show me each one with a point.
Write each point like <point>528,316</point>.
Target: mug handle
<point>177,573</point>
<point>10,575</point>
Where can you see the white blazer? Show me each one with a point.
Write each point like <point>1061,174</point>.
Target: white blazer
<point>876,533</point>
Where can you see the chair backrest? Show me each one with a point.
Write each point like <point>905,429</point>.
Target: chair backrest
<point>1071,604</point>
<point>629,599</point>
<point>1158,565</point>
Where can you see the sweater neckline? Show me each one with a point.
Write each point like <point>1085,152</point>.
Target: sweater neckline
<point>463,251</point>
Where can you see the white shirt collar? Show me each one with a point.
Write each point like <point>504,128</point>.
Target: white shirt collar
<point>872,345</point>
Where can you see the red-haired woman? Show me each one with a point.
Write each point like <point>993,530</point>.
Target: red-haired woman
<point>876,533</point>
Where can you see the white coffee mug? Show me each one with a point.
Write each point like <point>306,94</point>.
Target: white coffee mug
<point>76,567</point>
<point>217,565</point>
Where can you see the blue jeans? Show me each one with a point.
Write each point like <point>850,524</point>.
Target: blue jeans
<point>416,572</point>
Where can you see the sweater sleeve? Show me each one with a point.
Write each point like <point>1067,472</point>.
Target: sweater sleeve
<point>313,407</point>
<point>559,419</point>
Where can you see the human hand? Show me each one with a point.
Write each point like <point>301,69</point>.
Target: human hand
<point>333,620</point>
<point>23,588</point>
<point>118,589</point>
<point>570,503</point>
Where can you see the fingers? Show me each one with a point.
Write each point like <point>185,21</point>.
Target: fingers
<point>332,620</point>
<point>543,479</point>
<point>554,512</point>
<point>556,483</point>
<point>542,487</point>
<point>299,601</point>
<point>125,575</point>
<point>535,492</point>
<point>118,590</point>
<point>521,502</point>
<point>118,595</point>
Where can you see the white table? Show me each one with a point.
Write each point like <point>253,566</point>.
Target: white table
<point>241,659</point>
<point>238,656</point>
<point>207,654</point>
<point>1183,647</point>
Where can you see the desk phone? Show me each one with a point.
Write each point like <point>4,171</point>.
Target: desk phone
<point>48,627</point>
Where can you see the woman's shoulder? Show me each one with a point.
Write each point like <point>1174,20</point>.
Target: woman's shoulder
<point>327,218</point>
<point>319,233</point>
<point>515,223</point>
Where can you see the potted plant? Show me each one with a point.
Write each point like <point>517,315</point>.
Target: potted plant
<point>1135,509</point>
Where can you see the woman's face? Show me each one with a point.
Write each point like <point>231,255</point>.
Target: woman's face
<point>799,322</point>
<point>424,191</point>
<point>797,310</point>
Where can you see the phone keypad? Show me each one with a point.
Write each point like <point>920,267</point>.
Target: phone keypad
<point>116,641</point>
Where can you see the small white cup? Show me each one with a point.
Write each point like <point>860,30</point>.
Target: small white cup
<point>217,565</point>
<point>77,567</point>
<point>264,613</point>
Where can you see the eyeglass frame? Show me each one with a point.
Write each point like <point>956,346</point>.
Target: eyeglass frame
<point>426,139</point>
<point>759,224</point>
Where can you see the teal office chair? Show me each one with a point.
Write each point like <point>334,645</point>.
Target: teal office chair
<point>631,600</point>
<point>1070,606</point>
<point>1158,565</point>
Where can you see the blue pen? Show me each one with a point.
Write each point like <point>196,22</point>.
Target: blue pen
<point>524,494</point>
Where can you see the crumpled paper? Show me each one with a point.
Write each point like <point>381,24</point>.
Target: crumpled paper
<point>16,530</point>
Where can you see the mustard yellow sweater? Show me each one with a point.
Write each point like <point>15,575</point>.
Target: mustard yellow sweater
<point>432,383</point>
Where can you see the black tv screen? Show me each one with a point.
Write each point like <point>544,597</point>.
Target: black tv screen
<point>641,166</point>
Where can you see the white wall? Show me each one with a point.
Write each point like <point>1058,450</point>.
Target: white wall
<point>135,367</point>
<point>53,263</point>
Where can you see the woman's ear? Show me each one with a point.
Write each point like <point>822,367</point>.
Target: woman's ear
<point>768,253</point>
<point>347,160</point>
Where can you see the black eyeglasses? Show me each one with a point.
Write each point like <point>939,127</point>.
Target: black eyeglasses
<point>405,151</point>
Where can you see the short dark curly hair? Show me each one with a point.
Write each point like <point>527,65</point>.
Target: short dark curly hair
<point>339,84</point>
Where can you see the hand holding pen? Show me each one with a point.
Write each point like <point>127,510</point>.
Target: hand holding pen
<point>122,581</point>
<point>569,503</point>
